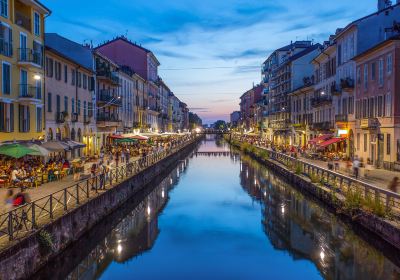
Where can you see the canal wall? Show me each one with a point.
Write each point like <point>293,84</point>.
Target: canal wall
<point>384,229</point>
<point>31,253</point>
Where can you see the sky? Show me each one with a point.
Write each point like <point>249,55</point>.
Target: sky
<point>210,51</point>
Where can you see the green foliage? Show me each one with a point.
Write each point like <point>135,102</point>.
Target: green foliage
<point>314,178</point>
<point>353,200</point>
<point>45,241</point>
<point>375,206</point>
<point>299,169</point>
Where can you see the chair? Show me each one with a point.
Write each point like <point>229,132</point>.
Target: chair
<point>4,182</point>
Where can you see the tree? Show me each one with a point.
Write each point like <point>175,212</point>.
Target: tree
<point>220,124</point>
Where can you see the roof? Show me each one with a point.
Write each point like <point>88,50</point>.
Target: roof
<point>351,24</point>
<point>304,52</point>
<point>377,47</point>
<point>296,44</point>
<point>71,50</point>
<point>123,38</point>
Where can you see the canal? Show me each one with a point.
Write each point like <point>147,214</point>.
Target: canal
<point>223,216</point>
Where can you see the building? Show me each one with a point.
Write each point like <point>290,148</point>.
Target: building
<point>378,104</point>
<point>140,104</point>
<point>357,37</point>
<point>288,75</point>
<point>21,98</point>
<point>126,92</point>
<point>184,124</point>
<point>247,108</point>
<point>69,90</point>
<point>235,118</point>
<point>145,64</point>
<point>108,102</point>
<point>164,93</point>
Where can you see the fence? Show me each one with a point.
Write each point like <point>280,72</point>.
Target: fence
<point>25,219</point>
<point>339,183</point>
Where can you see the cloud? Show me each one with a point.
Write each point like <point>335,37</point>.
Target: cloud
<point>250,53</point>
<point>174,54</point>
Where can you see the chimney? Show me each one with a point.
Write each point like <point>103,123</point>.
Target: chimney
<point>383,4</point>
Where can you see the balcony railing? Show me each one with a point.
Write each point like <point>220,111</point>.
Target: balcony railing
<point>320,101</point>
<point>347,83</point>
<point>6,48</point>
<point>341,118</point>
<point>108,118</point>
<point>322,126</point>
<point>107,96</point>
<point>74,117</point>
<point>23,21</point>
<point>29,91</point>
<point>26,55</point>
<point>335,90</point>
<point>284,124</point>
<point>60,117</point>
<point>266,90</point>
<point>107,73</point>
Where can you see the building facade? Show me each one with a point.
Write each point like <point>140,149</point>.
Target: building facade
<point>70,93</point>
<point>126,92</point>
<point>22,70</point>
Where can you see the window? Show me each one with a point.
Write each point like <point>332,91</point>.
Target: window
<point>79,79</point>
<point>49,67</point>
<point>6,117</point>
<point>365,142</point>
<point>365,76</point>
<point>6,78</point>
<point>38,89</point>
<point>73,75</point>
<point>358,141</point>
<point>66,104</point>
<point>373,70</point>
<point>49,104</point>
<point>84,81</point>
<point>6,48</point>
<point>79,107</point>
<point>36,22</point>
<point>90,109</point>
<point>359,75</point>
<point>72,105</point>
<point>380,106</point>
<point>65,73</point>
<point>39,119</point>
<point>398,150</point>
<point>4,8</point>
<point>388,103</point>
<point>339,54</point>
<point>58,104</point>
<point>84,109</point>
<point>24,118</point>
<point>381,72</point>
<point>389,63</point>
<point>57,66</point>
<point>388,144</point>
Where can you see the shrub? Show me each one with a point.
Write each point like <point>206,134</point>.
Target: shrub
<point>353,200</point>
<point>299,169</point>
<point>375,206</point>
<point>45,241</point>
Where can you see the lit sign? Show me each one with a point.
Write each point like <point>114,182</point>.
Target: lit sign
<point>342,132</point>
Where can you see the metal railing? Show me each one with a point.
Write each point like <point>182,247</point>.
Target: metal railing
<point>339,183</point>
<point>25,219</point>
<point>30,56</point>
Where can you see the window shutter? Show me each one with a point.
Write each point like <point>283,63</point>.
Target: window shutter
<point>11,117</point>
<point>28,118</point>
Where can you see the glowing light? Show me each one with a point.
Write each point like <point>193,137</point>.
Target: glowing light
<point>162,194</point>
<point>148,210</point>
<point>37,77</point>
<point>322,255</point>
<point>283,209</point>
<point>342,132</point>
<point>198,130</point>
<point>119,248</point>
<point>170,181</point>
<point>322,92</point>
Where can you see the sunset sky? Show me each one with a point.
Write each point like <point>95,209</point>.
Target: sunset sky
<point>210,50</point>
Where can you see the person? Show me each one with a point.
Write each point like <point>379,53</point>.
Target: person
<point>116,158</point>
<point>128,154</point>
<point>122,156</point>
<point>93,174</point>
<point>102,170</point>
<point>14,176</point>
<point>356,167</point>
<point>21,198</point>
<point>9,199</point>
<point>394,184</point>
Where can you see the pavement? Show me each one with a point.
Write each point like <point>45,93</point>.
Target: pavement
<point>51,187</point>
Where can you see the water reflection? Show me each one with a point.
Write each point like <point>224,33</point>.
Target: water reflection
<point>301,227</point>
<point>134,235</point>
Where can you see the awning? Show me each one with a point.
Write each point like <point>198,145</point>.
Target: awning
<point>330,142</point>
<point>75,145</point>
<point>56,146</point>
<point>114,136</point>
<point>320,139</point>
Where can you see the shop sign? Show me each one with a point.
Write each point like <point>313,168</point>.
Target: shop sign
<point>369,123</point>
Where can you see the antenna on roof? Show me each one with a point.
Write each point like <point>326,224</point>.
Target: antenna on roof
<point>126,34</point>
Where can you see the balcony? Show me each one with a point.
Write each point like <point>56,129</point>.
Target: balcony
<point>347,84</point>
<point>265,79</point>
<point>372,123</point>
<point>322,126</point>
<point>104,120</point>
<point>74,117</point>
<point>60,117</point>
<point>265,68</point>
<point>108,97</point>
<point>6,48</point>
<point>321,101</point>
<point>342,118</point>
<point>29,57</point>
<point>23,21</point>
<point>29,94</point>
<point>86,119</point>
<point>299,126</point>
<point>266,90</point>
<point>279,124</point>
<point>335,90</point>
<point>107,74</point>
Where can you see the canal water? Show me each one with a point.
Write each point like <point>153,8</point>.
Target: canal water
<point>223,216</point>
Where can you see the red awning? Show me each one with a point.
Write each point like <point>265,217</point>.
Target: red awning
<point>322,138</point>
<point>138,137</point>
<point>116,136</point>
<point>330,142</point>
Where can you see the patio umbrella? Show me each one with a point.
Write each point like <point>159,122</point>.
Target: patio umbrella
<point>39,151</point>
<point>15,150</point>
<point>126,140</point>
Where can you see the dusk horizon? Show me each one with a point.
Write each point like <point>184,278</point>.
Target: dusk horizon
<point>210,55</point>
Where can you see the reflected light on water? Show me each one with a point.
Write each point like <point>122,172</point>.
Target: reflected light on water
<point>148,210</point>
<point>162,193</point>
<point>119,248</point>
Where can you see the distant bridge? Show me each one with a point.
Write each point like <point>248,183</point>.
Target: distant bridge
<point>211,153</point>
<point>214,131</point>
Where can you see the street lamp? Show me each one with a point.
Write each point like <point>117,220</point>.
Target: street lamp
<point>37,77</point>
